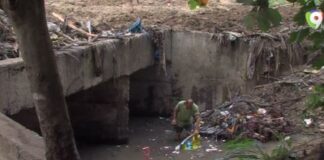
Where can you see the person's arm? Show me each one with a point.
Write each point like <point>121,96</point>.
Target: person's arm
<point>197,119</point>
<point>197,123</point>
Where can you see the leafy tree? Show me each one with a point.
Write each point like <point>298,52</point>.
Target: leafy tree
<point>265,16</point>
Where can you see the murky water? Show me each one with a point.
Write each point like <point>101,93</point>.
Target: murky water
<point>155,133</point>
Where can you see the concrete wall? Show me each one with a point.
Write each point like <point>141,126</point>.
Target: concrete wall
<point>209,68</point>
<point>19,143</point>
<point>197,67</point>
<point>204,69</point>
<point>80,67</point>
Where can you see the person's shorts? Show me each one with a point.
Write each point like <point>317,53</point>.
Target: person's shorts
<point>179,129</point>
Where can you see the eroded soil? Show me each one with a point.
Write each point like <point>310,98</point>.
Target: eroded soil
<point>217,16</point>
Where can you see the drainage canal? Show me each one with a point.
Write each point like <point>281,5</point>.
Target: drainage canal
<point>117,118</point>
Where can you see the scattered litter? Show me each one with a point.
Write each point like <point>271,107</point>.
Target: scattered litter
<point>287,138</point>
<point>308,122</point>
<point>176,152</point>
<point>224,113</point>
<point>52,27</point>
<point>211,149</point>
<point>136,27</point>
<point>146,153</point>
<point>249,116</point>
<point>242,117</point>
<point>168,131</point>
<point>261,111</point>
<point>166,147</point>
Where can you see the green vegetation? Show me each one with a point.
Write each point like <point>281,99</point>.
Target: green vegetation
<point>239,143</point>
<point>274,3</point>
<point>281,152</point>
<point>264,16</point>
<point>193,4</point>
<point>316,98</point>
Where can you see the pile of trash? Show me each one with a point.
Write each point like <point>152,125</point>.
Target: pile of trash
<point>244,117</point>
<point>64,32</point>
<point>8,46</point>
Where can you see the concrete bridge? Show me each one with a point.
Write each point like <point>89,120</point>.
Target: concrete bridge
<point>107,81</point>
<point>80,68</point>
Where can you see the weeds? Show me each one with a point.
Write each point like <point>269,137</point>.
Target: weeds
<point>239,143</point>
<point>281,152</point>
<point>316,98</point>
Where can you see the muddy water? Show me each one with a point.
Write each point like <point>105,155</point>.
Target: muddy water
<point>155,133</point>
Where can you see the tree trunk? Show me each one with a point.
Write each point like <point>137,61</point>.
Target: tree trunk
<point>29,23</point>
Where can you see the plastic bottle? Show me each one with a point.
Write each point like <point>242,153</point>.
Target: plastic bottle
<point>188,145</point>
<point>196,141</point>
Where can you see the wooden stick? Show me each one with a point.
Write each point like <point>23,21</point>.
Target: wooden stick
<point>71,25</point>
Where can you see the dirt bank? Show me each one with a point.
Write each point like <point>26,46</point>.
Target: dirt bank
<point>217,16</point>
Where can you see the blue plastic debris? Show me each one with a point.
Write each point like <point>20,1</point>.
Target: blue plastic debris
<point>157,54</point>
<point>136,27</point>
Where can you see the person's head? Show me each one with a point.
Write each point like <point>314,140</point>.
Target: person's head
<point>189,103</point>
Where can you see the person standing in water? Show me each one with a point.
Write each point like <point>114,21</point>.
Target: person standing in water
<point>186,116</point>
